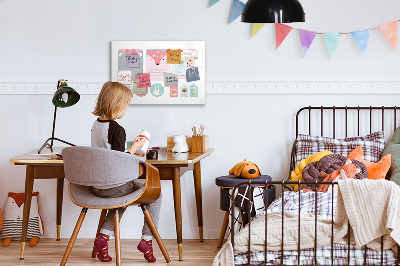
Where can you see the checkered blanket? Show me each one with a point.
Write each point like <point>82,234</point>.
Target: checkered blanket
<point>324,206</point>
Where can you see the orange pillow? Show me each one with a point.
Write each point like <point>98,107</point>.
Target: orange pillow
<point>375,170</point>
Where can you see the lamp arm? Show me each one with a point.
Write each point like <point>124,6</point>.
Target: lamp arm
<point>54,126</point>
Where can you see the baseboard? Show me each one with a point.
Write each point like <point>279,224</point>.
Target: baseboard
<point>231,87</point>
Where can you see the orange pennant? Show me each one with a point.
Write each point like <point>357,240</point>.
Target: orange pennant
<point>281,31</point>
<point>389,30</point>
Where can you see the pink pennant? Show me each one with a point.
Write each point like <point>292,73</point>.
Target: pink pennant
<point>281,31</point>
<point>306,39</point>
<point>389,30</point>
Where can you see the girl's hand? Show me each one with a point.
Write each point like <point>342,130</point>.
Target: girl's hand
<point>137,144</point>
<point>142,155</point>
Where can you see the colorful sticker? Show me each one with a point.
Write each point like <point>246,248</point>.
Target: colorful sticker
<point>157,90</point>
<point>156,64</point>
<point>173,91</point>
<point>132,60</point>
<point>144,80</point>
<point>184,91</point>
<point>179,69</point>
<point>125,77</point>
<point>194,91</point>
<point>192,74</point>
<point>174,56</point>
<point>139,91</point>
<point>170,80</point>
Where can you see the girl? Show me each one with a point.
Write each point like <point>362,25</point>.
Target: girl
<point>112,104</point>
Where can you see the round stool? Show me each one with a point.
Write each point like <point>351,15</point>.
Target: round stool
<point>228,182</point>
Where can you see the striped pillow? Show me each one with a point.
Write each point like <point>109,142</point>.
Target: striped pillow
<point>372,145</point>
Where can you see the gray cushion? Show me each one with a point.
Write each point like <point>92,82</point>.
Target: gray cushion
<point>393,148</point>
<point>83,195</point>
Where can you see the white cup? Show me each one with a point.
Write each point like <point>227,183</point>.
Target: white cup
<point>144,134</point>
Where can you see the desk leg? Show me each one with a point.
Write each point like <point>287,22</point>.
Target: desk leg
<point>176,182</point>
<point>60,190</point>
<point>199,204</point>
<point>27,206</point>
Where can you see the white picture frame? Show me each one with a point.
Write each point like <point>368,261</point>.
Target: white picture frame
<point>148,57</point>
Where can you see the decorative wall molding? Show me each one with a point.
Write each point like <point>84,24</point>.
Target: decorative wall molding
<point>233,87</point>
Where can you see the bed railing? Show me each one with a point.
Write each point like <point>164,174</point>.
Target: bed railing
<point>265,185</point>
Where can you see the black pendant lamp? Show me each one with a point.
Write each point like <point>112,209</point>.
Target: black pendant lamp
<point>273,11</point>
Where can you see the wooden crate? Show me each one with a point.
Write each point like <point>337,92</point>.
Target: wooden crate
<point>171,143</point>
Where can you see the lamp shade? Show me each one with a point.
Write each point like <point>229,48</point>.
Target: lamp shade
<point>65,96</point>
<point>273,11</point>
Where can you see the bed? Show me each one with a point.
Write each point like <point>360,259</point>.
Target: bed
<point>312,210</point>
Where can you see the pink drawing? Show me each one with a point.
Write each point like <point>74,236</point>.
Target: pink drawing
<point>173,91</point>
<point>125,77</point>
<point>157,64</point>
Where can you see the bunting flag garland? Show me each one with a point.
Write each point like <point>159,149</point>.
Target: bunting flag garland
<point>389,30</point>
<point>213,2</point>
<point>237,9</point>
<point>332,41</point>
<point>281,31</point>
<point>256,27</point>
<point>361,37</point>
<point>306,39</point>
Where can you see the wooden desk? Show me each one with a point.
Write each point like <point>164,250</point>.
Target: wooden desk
<point>171,167</point>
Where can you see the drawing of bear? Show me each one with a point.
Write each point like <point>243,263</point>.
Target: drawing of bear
<point>189,61</point>
<point>157,64</point>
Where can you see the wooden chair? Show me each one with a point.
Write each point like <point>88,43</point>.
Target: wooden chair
<point>85,167</point>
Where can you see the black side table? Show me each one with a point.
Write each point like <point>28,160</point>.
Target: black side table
<point>226,183</point>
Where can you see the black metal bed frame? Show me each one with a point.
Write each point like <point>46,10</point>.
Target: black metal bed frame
<point>283,184</point>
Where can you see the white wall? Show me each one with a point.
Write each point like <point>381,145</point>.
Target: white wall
<point>42,41</point>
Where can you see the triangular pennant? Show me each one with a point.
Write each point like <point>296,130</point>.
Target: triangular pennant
<point>361,37</point>
<point>213,2</point>
<point>389,30</point>
<point>306,39</point>
<point>237,9</point>
<point>281,31</point>
<point>332,41</point>
<point>256,27</point>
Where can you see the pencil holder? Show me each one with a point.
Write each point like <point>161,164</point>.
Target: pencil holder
<point>200,143</point>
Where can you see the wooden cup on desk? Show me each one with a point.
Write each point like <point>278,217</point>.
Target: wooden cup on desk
<point>200,143</point>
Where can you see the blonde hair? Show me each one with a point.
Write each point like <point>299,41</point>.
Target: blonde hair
<point>112,99</point>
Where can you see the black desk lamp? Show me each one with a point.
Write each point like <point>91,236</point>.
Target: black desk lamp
<point>65,96</point>
<point>273,11</point>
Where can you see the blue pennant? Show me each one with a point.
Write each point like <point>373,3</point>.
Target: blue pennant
<point>237,9</point>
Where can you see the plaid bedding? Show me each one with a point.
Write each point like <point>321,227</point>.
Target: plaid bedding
<point>372,145</point>
<point>323,207</point>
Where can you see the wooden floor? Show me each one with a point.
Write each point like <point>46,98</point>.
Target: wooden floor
<point>50,252</point>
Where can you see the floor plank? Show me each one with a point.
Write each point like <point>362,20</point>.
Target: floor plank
<point>49,252</point>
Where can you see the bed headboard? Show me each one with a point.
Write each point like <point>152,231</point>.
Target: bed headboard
<point>344,121</point>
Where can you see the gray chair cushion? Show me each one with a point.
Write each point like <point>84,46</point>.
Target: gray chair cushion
<point>84,196</point>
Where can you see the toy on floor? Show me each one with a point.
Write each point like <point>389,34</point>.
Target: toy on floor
<point>180,144</point>
<point>13,215</point>
<point>245,169</point>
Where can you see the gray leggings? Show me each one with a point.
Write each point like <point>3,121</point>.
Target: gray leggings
<point>154,208</point>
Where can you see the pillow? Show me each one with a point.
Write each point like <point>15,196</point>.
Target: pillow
<point>372,144</point>
<point>375,170</point>
<point>296,174</point>
<point>393,148</point>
